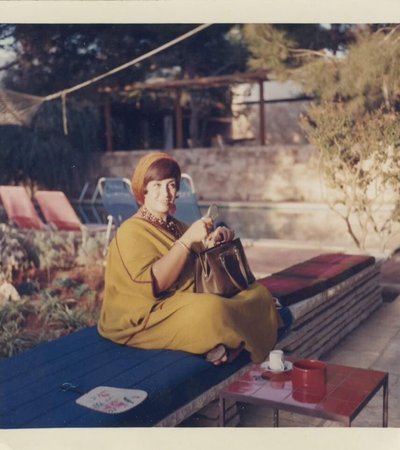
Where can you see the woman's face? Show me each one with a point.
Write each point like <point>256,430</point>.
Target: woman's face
<point>160,196</point>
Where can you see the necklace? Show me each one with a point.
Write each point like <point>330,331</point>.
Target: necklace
<point>169,224</point>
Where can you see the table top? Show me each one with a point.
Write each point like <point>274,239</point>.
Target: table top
<point>346,392</point>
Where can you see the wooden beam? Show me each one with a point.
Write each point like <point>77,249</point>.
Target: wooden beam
<point>178,120</point>
<point>193,83</point>
<point>108,125</point>
<point>262,113</point>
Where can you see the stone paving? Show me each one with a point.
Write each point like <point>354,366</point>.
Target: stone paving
<point>375,344</point>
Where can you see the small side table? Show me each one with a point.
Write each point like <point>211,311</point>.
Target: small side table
<point>348,390</point>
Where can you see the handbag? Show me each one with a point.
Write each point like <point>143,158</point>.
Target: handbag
<point>223,269</point>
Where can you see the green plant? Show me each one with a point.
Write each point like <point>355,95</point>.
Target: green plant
<point>48,303</point>
<point>56,249</point>
<point>68,319</point>
<point>65,283</point>
<point>81,290</point>
<point>16,312</point>
<point>17,250</point>
<point>47,334</point>
<point>90,250</point>
<point>56,313</point>
<point>13,339</point>
<point>22,250</point>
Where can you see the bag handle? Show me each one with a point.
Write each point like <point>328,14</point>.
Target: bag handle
<point>202,260</point>
<point>232,279</point>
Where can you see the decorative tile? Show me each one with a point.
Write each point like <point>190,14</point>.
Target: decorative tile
<point>241,387</point>
<point>269,394</point>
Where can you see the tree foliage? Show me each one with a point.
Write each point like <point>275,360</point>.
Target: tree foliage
<point>354,122</point>
<point>42,156</point>
<point>52,57</point>
<point>280,49</point>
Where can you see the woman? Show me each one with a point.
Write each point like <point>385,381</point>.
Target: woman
<point>149,300</point>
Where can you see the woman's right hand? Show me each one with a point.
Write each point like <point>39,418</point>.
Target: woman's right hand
<point>166,270</point>
<point>198,231</point>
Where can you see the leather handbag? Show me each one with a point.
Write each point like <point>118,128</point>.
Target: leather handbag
<point>223,269</point>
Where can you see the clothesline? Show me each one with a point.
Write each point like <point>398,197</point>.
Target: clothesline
<point>147,55</point>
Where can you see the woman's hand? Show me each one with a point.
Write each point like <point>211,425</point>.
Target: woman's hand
<point>197,232</point>
<point>221,234</point>
<point>167,269</point>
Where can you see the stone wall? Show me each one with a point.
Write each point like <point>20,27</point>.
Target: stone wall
<point>275,173</point>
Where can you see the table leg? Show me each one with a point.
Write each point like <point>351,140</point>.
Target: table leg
<point>221,411</point>
<point>276,417</point>
<point>385,403</point>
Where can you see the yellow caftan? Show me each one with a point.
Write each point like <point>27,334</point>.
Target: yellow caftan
<point>178,319</point>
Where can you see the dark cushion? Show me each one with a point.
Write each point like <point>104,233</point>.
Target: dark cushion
<point>355,262</point>
<point>330,270</point>
<point>313,276</point>
<point>290,289</point>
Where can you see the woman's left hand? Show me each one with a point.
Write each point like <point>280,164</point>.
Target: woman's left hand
<point>220,234</point>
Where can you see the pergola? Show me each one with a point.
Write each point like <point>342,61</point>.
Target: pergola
<point>193,83</point>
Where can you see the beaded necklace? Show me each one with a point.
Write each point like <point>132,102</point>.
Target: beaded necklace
<point>168,225</point>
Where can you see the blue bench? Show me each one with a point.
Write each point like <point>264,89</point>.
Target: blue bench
<point>177,383</point>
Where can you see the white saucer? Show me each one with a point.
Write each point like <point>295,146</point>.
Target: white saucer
<point>288,366</point>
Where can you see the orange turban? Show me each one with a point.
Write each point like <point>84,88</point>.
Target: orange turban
<point>140,172</point>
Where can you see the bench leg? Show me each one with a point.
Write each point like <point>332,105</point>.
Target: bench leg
<point>276,417</point>
<point>221,418</point>
<point>385,403</point>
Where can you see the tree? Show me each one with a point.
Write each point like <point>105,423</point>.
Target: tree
<point>41,156</point>
<point>6,40</point>
<point>354,123</point>
<point>280,49</point>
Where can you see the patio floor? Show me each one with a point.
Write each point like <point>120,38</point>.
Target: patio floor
<point>375,344</point>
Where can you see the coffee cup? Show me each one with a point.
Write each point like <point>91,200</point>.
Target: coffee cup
<point>276,361</point>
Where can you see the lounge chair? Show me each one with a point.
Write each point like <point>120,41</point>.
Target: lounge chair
<point>80,204</point>
<point>57,210</point>
<point>117,198</point>
<point>19,208</point>
<point>187,208</point>
<point>59,213</point>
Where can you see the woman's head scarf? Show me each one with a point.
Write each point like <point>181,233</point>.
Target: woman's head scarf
<point>140,171</point>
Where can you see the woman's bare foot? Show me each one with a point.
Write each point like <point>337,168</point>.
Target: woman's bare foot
<point>217,355</point>
<point>222,355</point>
